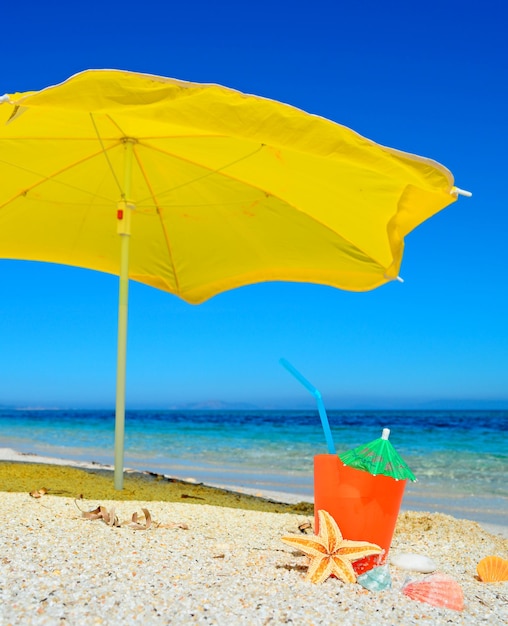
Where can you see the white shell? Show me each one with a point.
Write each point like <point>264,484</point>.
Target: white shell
<point>414,562</point>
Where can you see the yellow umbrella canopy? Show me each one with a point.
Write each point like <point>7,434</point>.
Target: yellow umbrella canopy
<point>229,189</point>
<point>217,189</point>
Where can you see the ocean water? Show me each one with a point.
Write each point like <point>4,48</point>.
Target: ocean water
<point>460,458</point>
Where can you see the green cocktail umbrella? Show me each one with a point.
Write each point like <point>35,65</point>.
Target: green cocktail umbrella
<point>378,457</point>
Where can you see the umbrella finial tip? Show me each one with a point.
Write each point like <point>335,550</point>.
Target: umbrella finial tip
<point>456,191</point>
<point>386,433</point>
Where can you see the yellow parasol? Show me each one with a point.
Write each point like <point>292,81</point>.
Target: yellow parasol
<point>196,189</point>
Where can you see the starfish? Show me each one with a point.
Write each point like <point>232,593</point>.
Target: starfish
<point>330,554</point>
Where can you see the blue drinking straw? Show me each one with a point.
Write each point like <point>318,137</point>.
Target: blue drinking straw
<point>321,407</point>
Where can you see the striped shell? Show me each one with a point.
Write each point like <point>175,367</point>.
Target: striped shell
<point>376,579</point>
<point>492,569</point>
<point>438,590</point>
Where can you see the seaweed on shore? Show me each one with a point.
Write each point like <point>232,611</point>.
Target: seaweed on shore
<point>97,484</point>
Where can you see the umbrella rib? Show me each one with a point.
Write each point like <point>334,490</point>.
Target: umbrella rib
<point>104,151</point>
<point>51,177</point>
<point>209,171</point>
<point>156,203</point>
<point>222,169</point>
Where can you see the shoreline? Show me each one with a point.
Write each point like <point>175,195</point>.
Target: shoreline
<point>484,516</point>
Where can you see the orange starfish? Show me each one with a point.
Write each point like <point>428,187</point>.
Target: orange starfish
<point>329,553</point>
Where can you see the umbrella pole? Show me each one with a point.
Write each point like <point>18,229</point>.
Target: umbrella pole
<point>124,219</point>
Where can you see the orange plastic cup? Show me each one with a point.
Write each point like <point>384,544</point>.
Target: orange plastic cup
<point>364,506</point>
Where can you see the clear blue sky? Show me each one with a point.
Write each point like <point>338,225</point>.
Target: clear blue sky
<point>429,78</point>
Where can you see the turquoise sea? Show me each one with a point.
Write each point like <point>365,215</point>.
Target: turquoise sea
<point>460,458</point>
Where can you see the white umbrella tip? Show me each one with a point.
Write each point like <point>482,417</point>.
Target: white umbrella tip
<point>4,98</point>
<point>386,433</point>
<point>461,192</point>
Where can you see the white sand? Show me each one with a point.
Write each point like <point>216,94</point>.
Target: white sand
<point>228,567</point>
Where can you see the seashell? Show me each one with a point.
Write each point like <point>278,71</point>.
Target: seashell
<point>438,590</point>
<point>376,579</point>
<point>492,569</point>
<point>414,562</point>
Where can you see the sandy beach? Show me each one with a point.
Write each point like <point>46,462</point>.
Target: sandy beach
<point>210,556</point>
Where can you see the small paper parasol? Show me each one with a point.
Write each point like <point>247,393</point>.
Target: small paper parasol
<point>378,457</point>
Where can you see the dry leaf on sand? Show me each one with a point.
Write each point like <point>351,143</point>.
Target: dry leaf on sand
<point>38,493</point>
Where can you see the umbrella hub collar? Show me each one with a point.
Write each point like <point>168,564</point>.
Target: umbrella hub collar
<point>123,214</point>
<point>130,140</point>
